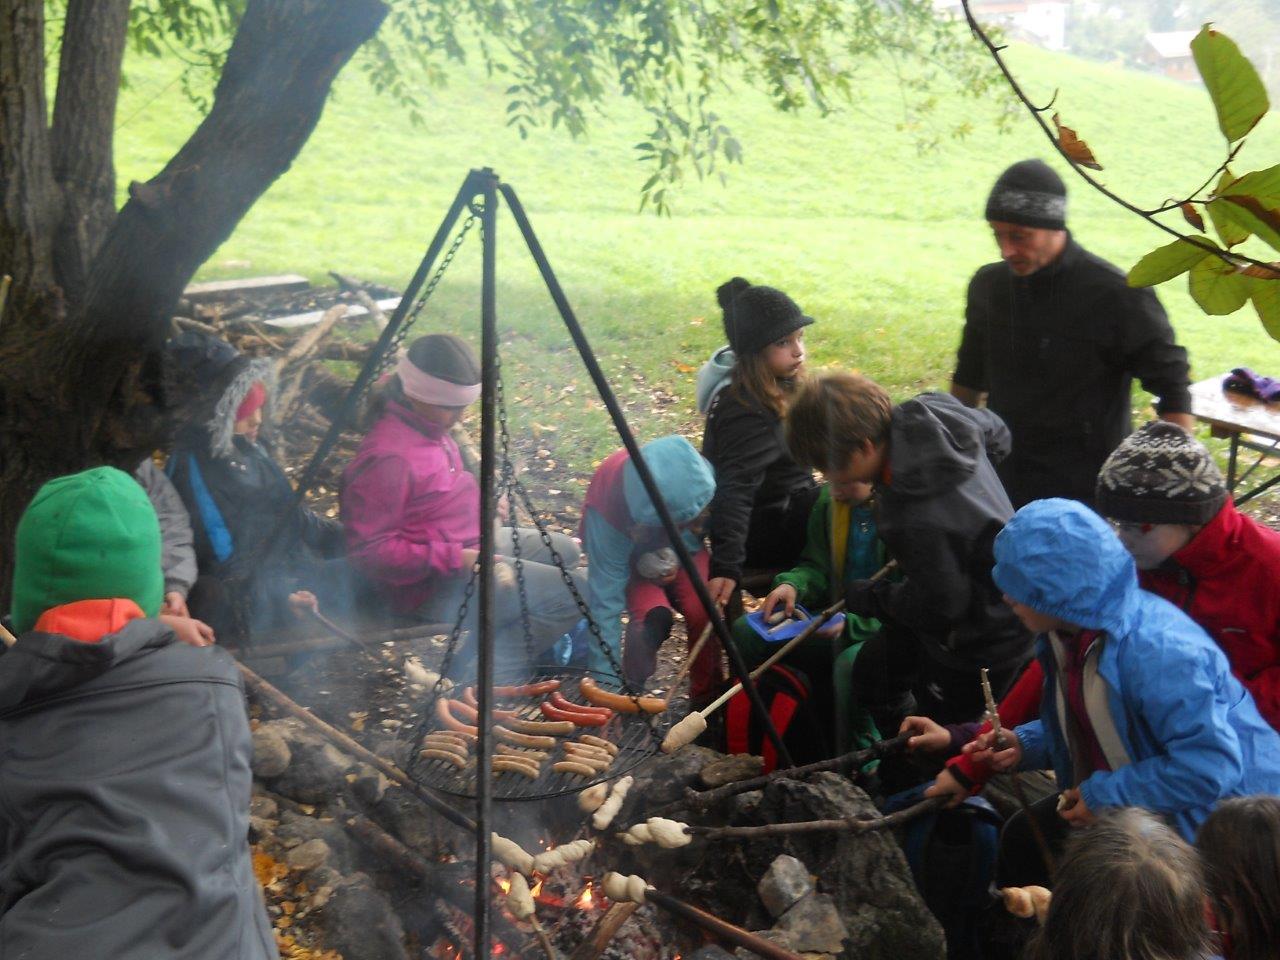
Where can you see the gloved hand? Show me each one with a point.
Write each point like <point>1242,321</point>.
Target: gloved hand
<point>863,598</point>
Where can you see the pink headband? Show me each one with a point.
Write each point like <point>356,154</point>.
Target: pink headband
<point>425,388</point>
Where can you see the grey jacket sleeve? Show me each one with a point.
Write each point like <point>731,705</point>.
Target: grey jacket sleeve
<point>178,552</point>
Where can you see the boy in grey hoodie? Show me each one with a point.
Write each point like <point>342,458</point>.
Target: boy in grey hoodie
<point>938,507</point>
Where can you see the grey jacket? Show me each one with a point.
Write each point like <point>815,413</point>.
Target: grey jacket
<point>178,556</point>
<point>938,514</point>
<point>124,802</point>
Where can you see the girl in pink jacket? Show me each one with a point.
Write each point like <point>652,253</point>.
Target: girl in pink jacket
<point>411,511</point>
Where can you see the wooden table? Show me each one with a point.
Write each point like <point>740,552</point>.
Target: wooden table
<point>1247,422</point>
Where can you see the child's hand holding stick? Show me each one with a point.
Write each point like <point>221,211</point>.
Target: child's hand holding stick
<point>692,726</point>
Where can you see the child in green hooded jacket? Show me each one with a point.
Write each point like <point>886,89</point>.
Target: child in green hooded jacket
<point>841,546</point>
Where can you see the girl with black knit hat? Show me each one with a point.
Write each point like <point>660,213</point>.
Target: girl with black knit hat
<point>763,497</point>
<point>412,511</point>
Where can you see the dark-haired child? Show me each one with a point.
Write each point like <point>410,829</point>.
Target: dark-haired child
<point>1239,844</point>
<point>842,546</point>
<point>763,497</point>
<point>938,508</point>
<point>1127,888</point>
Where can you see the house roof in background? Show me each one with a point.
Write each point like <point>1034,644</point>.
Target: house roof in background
<point>1173,44</point>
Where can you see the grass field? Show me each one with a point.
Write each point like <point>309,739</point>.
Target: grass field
<point>873,239</point>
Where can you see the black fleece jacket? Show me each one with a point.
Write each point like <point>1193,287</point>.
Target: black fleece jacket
<point>755,475</point>
<point>938,513</point>
<point>1056,353</point>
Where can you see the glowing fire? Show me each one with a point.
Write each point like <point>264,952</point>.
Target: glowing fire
<point>537,890</point>
<point>586,899</point>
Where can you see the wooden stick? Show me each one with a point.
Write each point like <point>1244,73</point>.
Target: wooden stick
<point>340,739</point>
<point>993,714</point>
<point>543,940</point>
<point>343,635</point>
<point>814,625</point>
<point>842,825</point>
<point>606,929</point>
<point>8,638</point>
<point>702,799</point>
<point>693,655</point>
<point>720,928</point>
<point>5,281</point>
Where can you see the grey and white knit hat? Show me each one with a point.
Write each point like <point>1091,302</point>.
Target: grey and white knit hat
<point>1029,193</point>
<point>1160,474</point>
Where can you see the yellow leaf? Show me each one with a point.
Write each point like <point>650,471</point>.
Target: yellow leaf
<point>1075,148</point>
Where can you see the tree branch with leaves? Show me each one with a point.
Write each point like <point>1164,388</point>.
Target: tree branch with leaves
<point>1221,278</point>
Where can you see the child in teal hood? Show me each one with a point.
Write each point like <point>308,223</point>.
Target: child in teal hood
<point>619,525</point>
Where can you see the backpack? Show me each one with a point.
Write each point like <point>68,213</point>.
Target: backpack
<point>952,855</point>
<point>786,693</point>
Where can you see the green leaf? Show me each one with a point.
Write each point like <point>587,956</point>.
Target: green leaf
<point>1255,203</point>
<point>1266,300</point>
<point>1233,84</point>
<point>1167,262</point>
<point>1230,231</point>
<point>1218,287</point>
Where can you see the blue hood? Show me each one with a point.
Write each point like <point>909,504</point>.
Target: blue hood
<point>684,478</point>
<point>1060,558</point>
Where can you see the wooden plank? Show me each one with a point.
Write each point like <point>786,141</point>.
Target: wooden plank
<point>354,312</point>
<point>1229,413</point>
<point>215,290</point>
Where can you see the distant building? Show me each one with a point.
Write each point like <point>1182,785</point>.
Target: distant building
<point>1170,53</point>
<point>1041,22</point>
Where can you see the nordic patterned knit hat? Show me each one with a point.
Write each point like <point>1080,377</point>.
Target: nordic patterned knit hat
<point>1160,474</point>
<point>1031,194</point>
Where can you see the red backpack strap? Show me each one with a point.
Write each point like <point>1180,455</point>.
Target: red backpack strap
<point>737,724</point>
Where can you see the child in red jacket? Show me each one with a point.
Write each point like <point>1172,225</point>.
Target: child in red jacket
<point>1170,507</point>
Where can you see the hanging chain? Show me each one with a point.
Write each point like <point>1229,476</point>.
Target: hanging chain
<point>558,561</point>
<point>505,489</point>
<point>393,348</point>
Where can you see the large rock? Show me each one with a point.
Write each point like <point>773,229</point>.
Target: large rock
<point>731,769</point>
<point>358,923</point>
<point>785,882</point>
<point>271,753</point>
<point>866,875</point>
<point>814,925</point>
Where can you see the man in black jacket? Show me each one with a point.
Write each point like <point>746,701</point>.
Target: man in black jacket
<point>1053,338</point>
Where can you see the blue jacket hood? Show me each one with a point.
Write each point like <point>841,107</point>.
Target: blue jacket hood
<point>683,476</point>
<point>1060,558</point>
<point>713,377</point>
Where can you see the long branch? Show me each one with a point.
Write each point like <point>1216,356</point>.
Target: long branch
<point>701,800</point>
<point>1234,259</point>
<point>840,825</point>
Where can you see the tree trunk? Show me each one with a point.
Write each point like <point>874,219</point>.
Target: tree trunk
<point>84,116</point>
<point>28,195</point>
<point>87,389</point>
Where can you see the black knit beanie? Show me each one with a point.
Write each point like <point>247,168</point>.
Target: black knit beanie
<point>1160,474</point>
<point>446,357</point>
<point>1031,194</point>
<point>725,294</point>
<point>757,316</point>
